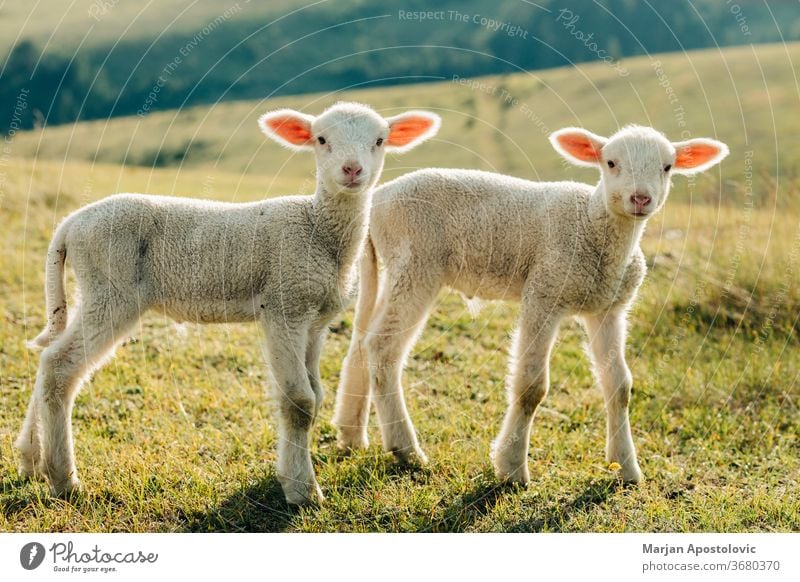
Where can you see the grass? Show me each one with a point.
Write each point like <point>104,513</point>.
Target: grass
<point>176,433</point>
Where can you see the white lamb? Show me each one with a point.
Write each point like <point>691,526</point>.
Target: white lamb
<point>562,248</point>
<point>286,263</point>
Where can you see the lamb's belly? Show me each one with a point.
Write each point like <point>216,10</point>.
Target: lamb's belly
<point>588,300</point>
<point>592,305</point>
<point>211,311</point>
<point>485,286</point>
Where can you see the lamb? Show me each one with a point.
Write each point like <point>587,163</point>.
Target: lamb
<point>286,263</point>
<point>562,249</point>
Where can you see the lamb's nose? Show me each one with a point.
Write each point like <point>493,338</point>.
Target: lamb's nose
<point>352,169</point>
<point>640,200</point>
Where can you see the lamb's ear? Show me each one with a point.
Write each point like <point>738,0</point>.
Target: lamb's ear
<point>408,130</point>
<point>289,128</point>
<point>579,146</point>
<point>698,155</point>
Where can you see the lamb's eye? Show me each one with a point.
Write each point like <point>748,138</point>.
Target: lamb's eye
<point>321,140</point>
<point>379,143</point>
<point>668,167</point>
<point>611,164</point>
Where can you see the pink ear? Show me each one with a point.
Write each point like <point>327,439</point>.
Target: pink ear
<point>288,127</point>
<point>408,129</point>
<point>580,145</point>
<point>291,129</point>
<point>405,131</point>
<point>697,155</point>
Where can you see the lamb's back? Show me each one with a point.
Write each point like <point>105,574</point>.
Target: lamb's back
<point>485,230</point>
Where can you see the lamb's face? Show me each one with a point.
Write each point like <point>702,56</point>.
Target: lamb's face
<point>349,141</point>
<point>636,164</point>
<point>350,145</point>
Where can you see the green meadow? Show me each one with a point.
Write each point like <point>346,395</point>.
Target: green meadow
<point>177,432</point>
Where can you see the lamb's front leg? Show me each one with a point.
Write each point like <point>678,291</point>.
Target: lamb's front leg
<point>297,403</point>
<point>527,384</point>
<point>607,346</point>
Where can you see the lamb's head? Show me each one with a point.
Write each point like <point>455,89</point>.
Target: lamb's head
<point>349,141</point>
<point>636,164</point>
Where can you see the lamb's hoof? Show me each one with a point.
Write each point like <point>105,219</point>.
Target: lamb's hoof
<point>348,441</point>
<point>632,475</point>
<point>411,457</point>
<point>302,494</point>
<point>512,473</point>
<point>65,489</point>
<point>29,469</point>
<point>629,471</point>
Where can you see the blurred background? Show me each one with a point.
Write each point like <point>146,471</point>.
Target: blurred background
<point>180,83</point>
<point>94,59</point>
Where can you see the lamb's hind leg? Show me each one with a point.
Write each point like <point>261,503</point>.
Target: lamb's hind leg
<point>29,441</point>
<point>351,413</point>
<point>527,385</point>
<point>64,365</point>
<point>403,307</point>
<point>353,395</point>
<point>607,348</point>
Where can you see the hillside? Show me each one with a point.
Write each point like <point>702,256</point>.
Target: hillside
<point>93,59</point>
<point>745,96</point>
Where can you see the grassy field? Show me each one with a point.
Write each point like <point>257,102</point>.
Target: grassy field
<point>177,434</point>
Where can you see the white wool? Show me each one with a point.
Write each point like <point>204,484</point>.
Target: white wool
<point>286,263</point>
<point>560,248</point>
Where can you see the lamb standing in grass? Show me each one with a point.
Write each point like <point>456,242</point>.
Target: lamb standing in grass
<point>286,263</point>
<point>562,248</point>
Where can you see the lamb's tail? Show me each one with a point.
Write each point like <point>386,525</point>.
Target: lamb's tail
<point>54,290</point>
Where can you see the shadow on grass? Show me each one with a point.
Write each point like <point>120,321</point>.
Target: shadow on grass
<point>482,500</point>
<point>555,516</point>
<point>470,507</point>
<point>260,507</point>
<point>20,495</point>
<point>16,496</point>
<point>367,469</point>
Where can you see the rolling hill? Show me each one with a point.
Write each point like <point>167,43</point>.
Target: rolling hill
<point>93,59</point>
<point>745,96</point>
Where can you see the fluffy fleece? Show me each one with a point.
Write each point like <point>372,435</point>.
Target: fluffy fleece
<point>286,263</point>
<point>561,248</point>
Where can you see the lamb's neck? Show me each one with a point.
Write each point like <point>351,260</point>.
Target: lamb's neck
<point>618,235</point>
<point>340,223</point>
